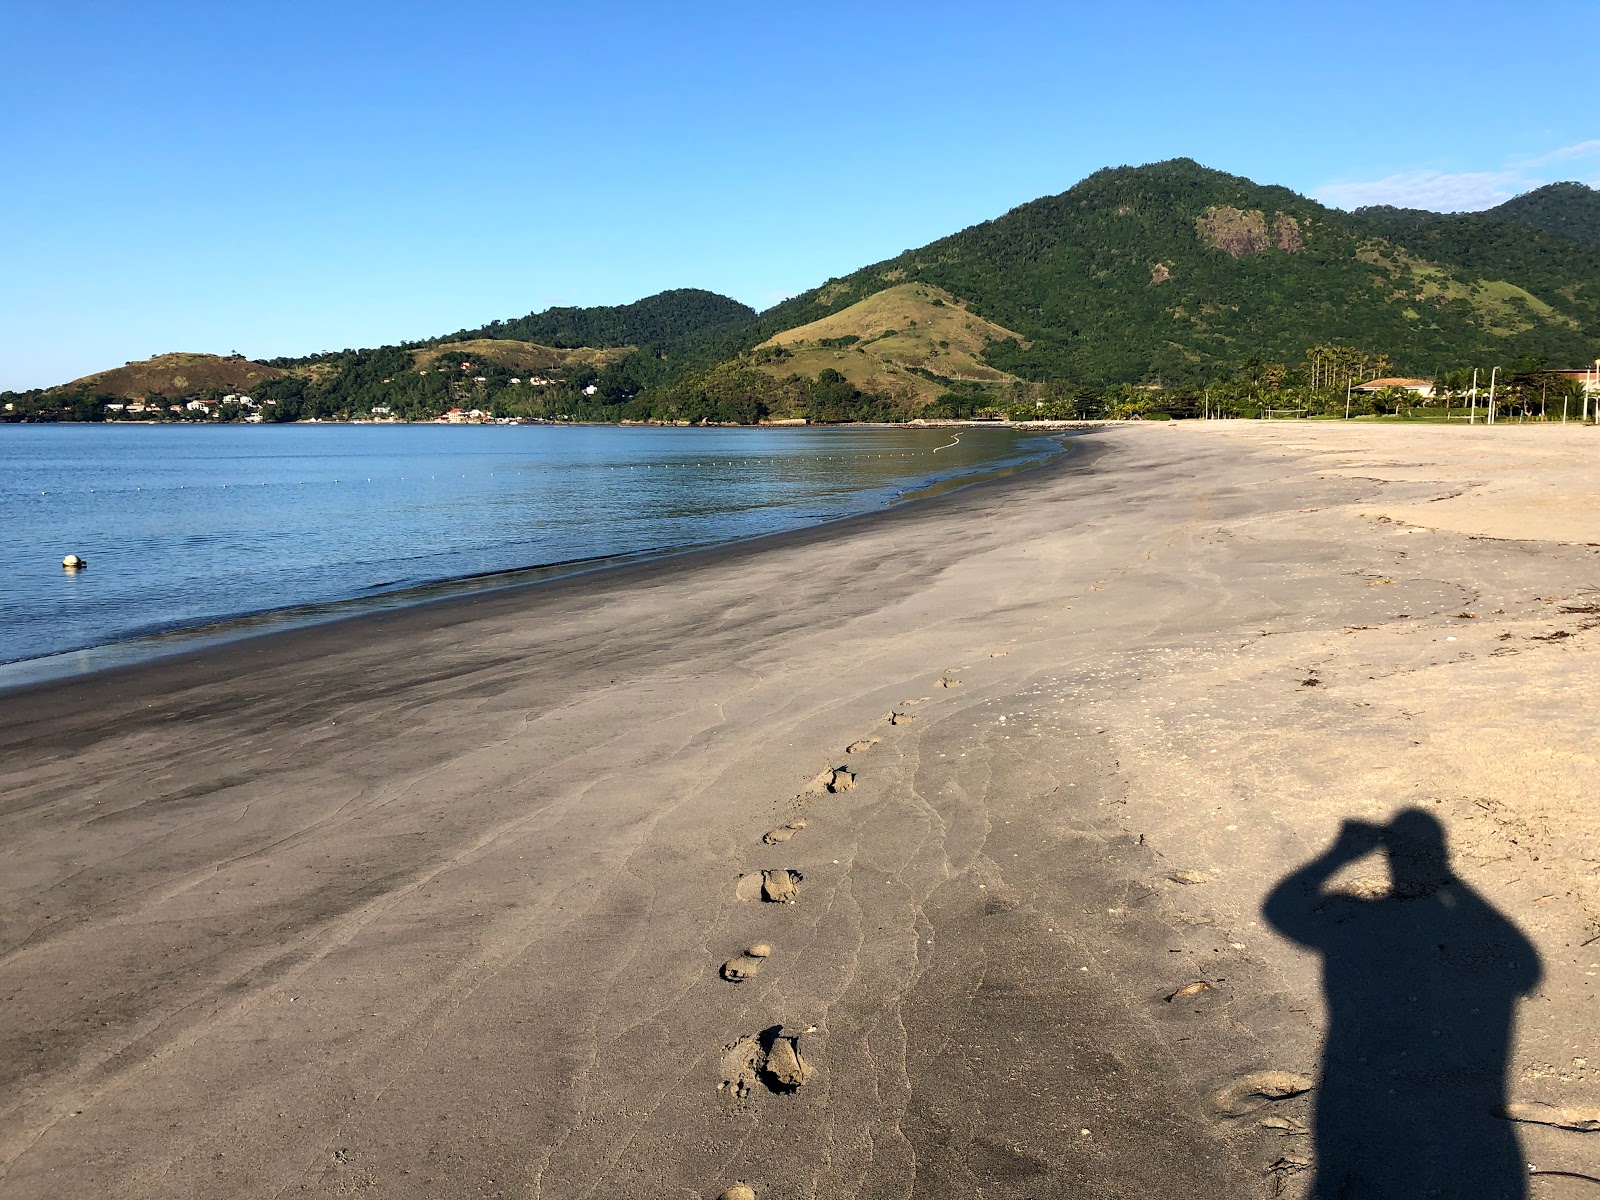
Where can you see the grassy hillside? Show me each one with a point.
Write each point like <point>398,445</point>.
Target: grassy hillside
<point>175,375</point>
<point>908,342</point>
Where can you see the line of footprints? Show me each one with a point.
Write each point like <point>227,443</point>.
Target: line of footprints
<point>774,1058</point>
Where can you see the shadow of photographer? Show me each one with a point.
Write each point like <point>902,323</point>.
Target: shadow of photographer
<point>1422,983</point>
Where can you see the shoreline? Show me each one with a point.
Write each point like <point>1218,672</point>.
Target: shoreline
<point>162,644</point>
<point>433,902</point>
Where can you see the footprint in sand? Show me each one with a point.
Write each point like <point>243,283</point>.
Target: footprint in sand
<point>771,1058</point>
<point>998,654</point>
<point>861,746</point>
<point>833,780</point>
<point>899,718</point>
<point>946,682</point>
<point>775,887</point>
<point>783,832</point>
<point>739,1191</point>
<point>748,965</point>
<point>1250,1092</point>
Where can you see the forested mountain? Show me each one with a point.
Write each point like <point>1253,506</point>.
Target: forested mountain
<point>1569,210</point>
<point>665,317</point>
<point>1175,271</point>
<point>1168,275</point>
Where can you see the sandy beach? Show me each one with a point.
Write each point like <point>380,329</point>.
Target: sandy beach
<point>437,902</point>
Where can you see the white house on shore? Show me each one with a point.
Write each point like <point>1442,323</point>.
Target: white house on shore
<point>1417,387</point>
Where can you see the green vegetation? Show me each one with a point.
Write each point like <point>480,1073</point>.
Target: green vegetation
<point>1163,290</point>
<point>665,317</point>
<point>1568,210</point>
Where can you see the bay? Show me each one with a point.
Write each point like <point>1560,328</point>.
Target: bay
<point>208,527</point>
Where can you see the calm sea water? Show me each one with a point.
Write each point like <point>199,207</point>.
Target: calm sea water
<point>186,527</point>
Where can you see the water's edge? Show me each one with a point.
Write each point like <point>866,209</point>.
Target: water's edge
<point>168,643</point>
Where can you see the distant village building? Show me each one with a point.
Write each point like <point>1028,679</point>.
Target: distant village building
<point>1588,376</point>
<point>1417,387</point>
<point>590,390</point>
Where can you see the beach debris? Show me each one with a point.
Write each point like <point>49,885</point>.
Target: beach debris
<point>1285,1168</point>
<point>772,1058</point>
<point>783,832</point>
<point>780,886</point>
<point>1189,989</point>
<point>1250,1092</point>
<point>1189,877</point>
<point>1285,1126</point>
<point>998,654</point>
<point>747,965</point>
<point>1557,636</point>
<point>861,745</point>
<point>1534,1112</point>
<point>1380,583</point>
<point>1466,616</point>
<point>739,1191</point>
<point>73,563</point>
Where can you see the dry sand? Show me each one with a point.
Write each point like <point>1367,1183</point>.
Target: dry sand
<point>439,903</point>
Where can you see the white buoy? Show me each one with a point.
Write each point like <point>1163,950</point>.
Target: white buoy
<point>73,563</point>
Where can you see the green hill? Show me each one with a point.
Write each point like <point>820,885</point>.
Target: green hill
<point>665,317</point>
<point>1175,271</point>
<point>175,376</point>
<point>1569,210</point>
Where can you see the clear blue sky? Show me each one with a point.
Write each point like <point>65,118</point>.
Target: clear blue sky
<point>289,177</point>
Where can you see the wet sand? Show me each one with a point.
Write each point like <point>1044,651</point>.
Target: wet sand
<point>435,902</point>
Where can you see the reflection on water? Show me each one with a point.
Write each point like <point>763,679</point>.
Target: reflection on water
<point>190,526</point>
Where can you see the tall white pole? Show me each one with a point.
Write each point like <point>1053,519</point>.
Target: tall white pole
<point>1472,419</point>
<point>1347,397</point>
<point>1492,375</point>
